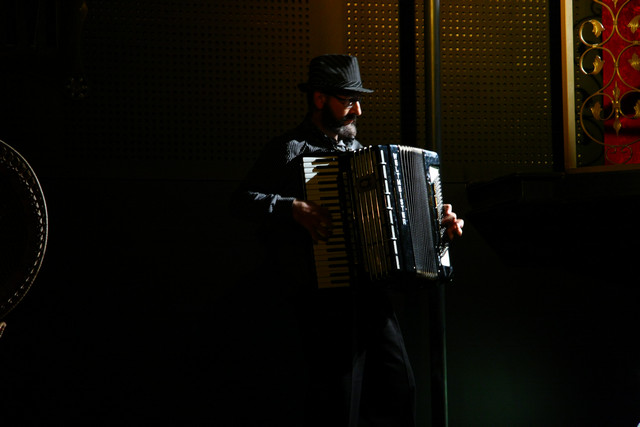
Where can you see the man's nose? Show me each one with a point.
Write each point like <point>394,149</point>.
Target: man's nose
<point>356,109</point>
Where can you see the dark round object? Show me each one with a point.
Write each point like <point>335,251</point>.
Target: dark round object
<point>23,228</point>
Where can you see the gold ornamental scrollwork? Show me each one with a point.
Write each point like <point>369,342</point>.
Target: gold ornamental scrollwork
<point>612,54</point>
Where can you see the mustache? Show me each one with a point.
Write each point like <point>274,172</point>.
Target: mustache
<point>349,117</point>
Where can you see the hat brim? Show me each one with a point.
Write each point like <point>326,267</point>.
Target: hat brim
<point>305,87</point>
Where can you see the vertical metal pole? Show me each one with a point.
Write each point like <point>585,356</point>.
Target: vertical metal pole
<point>437,330</point>
<point>408,123</point>
<point>438,354</point>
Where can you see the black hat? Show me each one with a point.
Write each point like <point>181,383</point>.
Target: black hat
<point>334,73</point>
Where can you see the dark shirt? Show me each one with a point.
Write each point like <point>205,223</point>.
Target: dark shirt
<point>266,195</point>
<point>268,191</point>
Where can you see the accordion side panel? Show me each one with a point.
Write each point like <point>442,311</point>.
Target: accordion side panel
<point>442,240</point>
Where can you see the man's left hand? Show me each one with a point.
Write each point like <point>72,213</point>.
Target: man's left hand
<point>451,221</point>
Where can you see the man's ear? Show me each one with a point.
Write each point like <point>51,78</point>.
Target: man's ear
<point>319,99</point>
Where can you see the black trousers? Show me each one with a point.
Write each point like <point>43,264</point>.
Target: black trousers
<point>358,368</point>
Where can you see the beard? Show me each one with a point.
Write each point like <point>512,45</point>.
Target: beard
<point>344,131</point>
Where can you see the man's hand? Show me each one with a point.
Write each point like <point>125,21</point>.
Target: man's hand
<point>452,223</point>
<point>315,218</point>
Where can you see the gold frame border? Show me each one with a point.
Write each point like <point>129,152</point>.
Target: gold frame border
<point>568,70</point>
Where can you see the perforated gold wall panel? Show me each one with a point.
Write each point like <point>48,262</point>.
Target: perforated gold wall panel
<point>496,101</point>
<point>372,36</point>
<point>495,74</point>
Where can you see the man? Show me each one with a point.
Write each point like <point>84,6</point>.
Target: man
<point>358,369</point>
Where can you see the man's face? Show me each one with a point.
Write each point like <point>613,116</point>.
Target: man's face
<point>339,114</point>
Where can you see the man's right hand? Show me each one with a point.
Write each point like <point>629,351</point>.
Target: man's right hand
<point>315,218</point>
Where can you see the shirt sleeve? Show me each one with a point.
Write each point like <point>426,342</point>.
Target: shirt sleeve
<point>269,189</point>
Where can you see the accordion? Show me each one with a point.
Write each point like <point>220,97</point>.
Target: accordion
<point>386,206</point>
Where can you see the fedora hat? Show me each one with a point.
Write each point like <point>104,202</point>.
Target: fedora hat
<point>334,73</point>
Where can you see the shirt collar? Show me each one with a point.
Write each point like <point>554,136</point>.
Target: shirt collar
<point>327,141</point>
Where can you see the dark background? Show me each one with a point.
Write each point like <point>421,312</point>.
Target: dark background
<point>140,119</point>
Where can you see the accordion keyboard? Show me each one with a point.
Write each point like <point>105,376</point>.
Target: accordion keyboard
<point>332,261</point>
